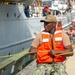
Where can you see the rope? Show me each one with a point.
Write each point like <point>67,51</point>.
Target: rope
<point>18,54</point>
<point>24,52</point>
<point>64,53</point>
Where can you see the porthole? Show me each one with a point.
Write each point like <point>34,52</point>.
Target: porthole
<point>14,14</point>
<point>7,15</point>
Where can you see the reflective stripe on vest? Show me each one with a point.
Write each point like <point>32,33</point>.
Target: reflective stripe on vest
<point>58,45</point>
<point>43,55</point>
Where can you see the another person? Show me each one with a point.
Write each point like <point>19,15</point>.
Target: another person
<point>51,48</point>
<point>26,10</point>
<point>46,11</point>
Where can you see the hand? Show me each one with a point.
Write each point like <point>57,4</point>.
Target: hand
<point>53,52</point>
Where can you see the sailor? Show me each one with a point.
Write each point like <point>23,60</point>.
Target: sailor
<point>51,48</point>
<point>59,25</point>
<point>46,11</point>
<point>26,10</point>
<point>71,31</point>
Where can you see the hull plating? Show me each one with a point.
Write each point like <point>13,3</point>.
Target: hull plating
<point>16,31</point>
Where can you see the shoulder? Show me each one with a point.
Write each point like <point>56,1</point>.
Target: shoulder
<point>66,39</point>
<point>64,34</point>
<point>38,35</point>
<point>37,40</point>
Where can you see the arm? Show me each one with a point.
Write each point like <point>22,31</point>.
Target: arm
<point>68,47</point>
<point>33,50</point>
<point>67,52</point>
<point>35,44</point>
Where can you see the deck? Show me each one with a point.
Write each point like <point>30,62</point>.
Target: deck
<point>70,68</point>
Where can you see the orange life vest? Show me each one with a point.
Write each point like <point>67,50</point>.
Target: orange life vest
<point>59,26</point>
<point>73,27</point>
<point>58,45</point>
<point>43,55</point>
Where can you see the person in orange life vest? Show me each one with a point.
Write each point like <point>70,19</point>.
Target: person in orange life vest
<point>72,25</point>
<point>69,31</point>
<point>48,45</point>
<point>72,29</point>
<point>59,25</point>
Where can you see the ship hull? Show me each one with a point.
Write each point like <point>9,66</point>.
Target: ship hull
<point>16,30</point>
